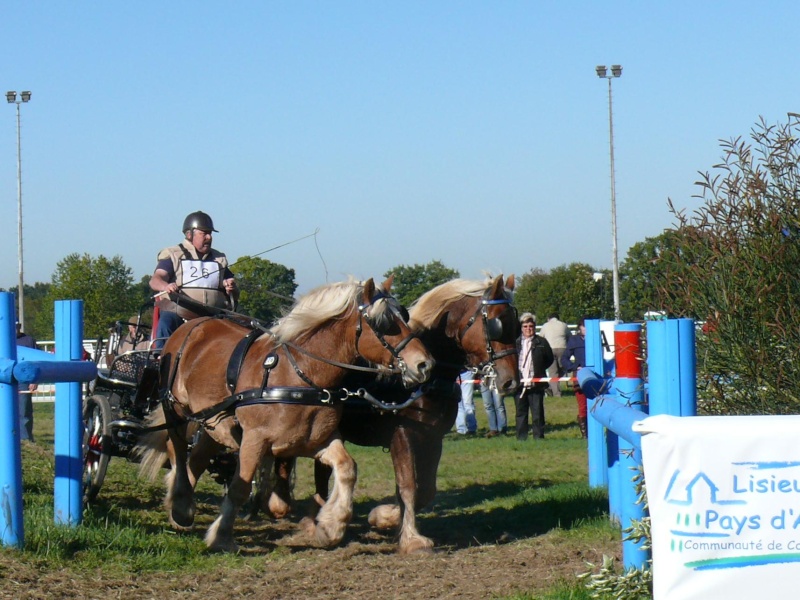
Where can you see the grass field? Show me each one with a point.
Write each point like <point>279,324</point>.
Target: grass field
<point>525,499</point>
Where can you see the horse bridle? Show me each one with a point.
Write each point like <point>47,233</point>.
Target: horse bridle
<point>492,332</point>
<point>383,325</point>
<point>379,328</point>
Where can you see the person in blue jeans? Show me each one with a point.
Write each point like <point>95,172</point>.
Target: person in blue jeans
<point>495,407</point>
<point>466,423</point>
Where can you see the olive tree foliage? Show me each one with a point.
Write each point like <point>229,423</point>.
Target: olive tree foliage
<point>410,282</point>
<point>266,289</point>
<point>572,291</point>
<point>734,265</point>
<point>104,284</point>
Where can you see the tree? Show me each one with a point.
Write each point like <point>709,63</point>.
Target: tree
<point>734,265</point>
<point>35,302</point>
<point>572,291</point>
<point>142,291</point>
<point>266,288</point>
<point>410,282</point>
<point>642,267</point>
<point>526,290</point>
<point>105,286</point>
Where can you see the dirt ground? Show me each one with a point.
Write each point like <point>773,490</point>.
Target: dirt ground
<point>365,566</point>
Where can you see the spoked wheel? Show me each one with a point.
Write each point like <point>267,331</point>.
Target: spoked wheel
<point>96,445</point>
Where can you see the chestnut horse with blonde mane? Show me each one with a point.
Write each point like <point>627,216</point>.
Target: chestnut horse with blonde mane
<point>465,324</point>
<point>286,401</point>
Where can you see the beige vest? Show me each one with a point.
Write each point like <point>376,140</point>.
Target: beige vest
<point>200,278</point>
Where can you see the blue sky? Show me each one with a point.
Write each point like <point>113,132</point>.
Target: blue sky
<point>475,133</point>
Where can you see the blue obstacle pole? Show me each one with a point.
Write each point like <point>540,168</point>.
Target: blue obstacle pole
<point>619,417</point>
<point>598,474</point>
<point>688,367</point>
<point>27,365</point>
<point>630,392</point>
<point>613,413</point>
<point>54,372</point>
<point>672,367</point>
<point>33,354</point>
<point>13,533</point>
<point>672,390</point>
<point>68,489</point>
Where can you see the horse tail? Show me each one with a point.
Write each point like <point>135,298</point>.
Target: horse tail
<point>151,450</point>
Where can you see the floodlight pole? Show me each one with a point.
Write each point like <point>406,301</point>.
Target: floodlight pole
<point>12,99</point>
<point>616,71</point>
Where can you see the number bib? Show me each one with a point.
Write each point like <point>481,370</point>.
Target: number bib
<point>200,274</point>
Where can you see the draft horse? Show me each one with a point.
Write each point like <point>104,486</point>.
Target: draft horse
<point>465,324</point>
<point>286,400</point>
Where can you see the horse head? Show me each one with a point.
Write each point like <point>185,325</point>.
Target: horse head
<point>388,337</point>
<point>494,348</point>
<point>476,326</point>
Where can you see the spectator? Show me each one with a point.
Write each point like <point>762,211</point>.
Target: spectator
<point>574,358</point>
<point>25,391</point>
<point>556,332</point>
<point>136,339</point>
<point>495,407</point>
<point>535,355</point>
<point>466,423</point>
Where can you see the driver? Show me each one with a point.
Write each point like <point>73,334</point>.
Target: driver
<point>194,268</point>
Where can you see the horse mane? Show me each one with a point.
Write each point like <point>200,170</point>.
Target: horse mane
<point>317,307</point>
<point>427,309</point>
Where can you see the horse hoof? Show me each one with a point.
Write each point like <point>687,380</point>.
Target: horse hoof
<point>421,545</point>
<point>278,507</point>
<point>322,535</point>
<point>251,515</point>
<point>184,525</point>
<point>228,547</point>
<point>308,526</point>
<point>385,516</point>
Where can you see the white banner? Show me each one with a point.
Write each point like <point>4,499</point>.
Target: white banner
<point>724,496</point>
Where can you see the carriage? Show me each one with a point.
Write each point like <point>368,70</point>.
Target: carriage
<point>118,402</point>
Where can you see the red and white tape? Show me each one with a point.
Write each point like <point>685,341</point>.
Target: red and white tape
<point>535,380</point>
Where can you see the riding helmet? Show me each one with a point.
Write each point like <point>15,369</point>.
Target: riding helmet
<point>198,220</point>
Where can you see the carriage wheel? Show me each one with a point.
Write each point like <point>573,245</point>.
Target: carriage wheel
<point>96,445</point>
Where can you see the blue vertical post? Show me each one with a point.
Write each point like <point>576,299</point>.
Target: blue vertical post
<point>614,475</point>
<point>598,476</point>
<point>13,533</point>
<point>662,363</point>
<point>613,467</point>
<point>688,367</point>
<point>671,365</point>
<point>68,486</point>
<point>630,392</point>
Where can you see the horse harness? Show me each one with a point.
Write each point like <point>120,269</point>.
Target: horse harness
<point>311,395</point>
<point>443,387</point>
